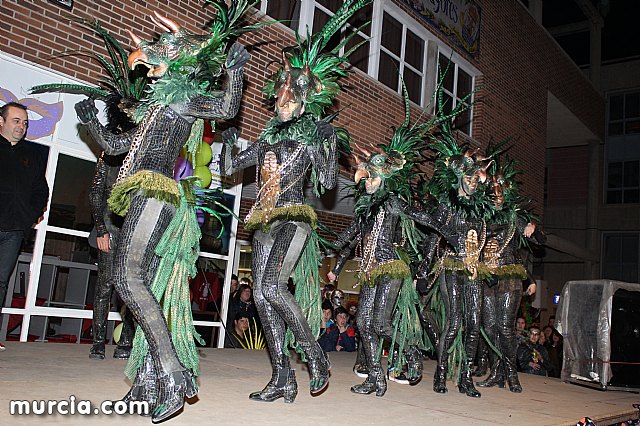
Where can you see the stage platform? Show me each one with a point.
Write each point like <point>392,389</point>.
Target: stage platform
<point>48,371</point>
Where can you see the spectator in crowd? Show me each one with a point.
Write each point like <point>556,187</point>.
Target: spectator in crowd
<point>552,321</point>
<point>337,298</point>
<point>521,327</point>
<point>243,302</point>
<point>327,290</point>
<point>555,353</point>
<point>234,286</point>
<point>353,311</point>
<point>533,358</point>
<point>339,336</point>
<point>235,338</point>
<point>327,316</point>
<point>547,331</point>
<point>23,189</point>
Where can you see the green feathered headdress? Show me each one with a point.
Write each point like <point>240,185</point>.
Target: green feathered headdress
<point>504,188</point>
<point>309,74</point>
<point>188,64</point>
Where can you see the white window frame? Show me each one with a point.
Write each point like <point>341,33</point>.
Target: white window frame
<point>622,120</point>
<point>409,22</point>
<point>459,63</point>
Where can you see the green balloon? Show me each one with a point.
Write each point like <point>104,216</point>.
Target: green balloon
<point>204,174</point>
<point>203,155</point>
<point>117,332</point>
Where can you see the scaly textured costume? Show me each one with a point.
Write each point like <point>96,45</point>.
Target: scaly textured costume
<point>284,242</point>
<point>186,67</point>
<point>383,226</point>
<point>510,224</point>
<point>107,224</point>
<point>462,212</point>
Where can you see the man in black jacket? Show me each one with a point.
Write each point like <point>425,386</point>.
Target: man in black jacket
<point>23,188</point>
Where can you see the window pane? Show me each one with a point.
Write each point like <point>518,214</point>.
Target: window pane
<point>631,174</point>
<point>359,58</point>
<point>361,17</point>
<point>615,129</point>
<point>464,84</point>
<point>414,51</point>
<point>612,248</point>
<point>632,126</point>
<point>70,198</point>
<point>388,72</point>
<point>614,197</point>
<point>287,11</point>
<point>629,249</point>
<point>615,175</point>
<point>210,241</point>
<point>631,196</point>
<point>391,34</point>
<point>68,271</point>
<point>332,5</point>
<point>632,105</point>
<point>413,82</point>
<point>463,121</point>
<point>447,103</point>
<point>447,68</point>
<point>616,106</point>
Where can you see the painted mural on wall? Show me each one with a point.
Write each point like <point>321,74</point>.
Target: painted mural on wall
<point>44,116</point>
<point>459,20</point>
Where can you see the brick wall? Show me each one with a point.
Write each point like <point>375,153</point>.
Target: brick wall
<point>518,60</point>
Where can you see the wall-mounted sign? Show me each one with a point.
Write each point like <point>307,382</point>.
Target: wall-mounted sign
<point>67,4</point>
<point>459,20</point>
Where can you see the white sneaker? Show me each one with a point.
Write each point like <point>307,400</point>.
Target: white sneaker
<point>397,377</point>
<point>361,371</point>
<point>2,347</point>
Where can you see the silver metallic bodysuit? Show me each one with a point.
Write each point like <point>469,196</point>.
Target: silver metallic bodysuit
<point>379,290</point>
<point>279,241</point>
<point>157,141</point>
<point>107,223</point>
<point>502,300</point>
<point>461,292</point>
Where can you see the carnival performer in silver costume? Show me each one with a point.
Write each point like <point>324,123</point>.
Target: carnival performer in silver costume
<point>384,213</point>
<point>107,227</point>
<point>510,225</point>
<point>284,242</point>
<point>184,66</point>
<point>461,213</point>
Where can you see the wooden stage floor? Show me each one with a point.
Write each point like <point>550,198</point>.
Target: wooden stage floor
<point>48,371</point>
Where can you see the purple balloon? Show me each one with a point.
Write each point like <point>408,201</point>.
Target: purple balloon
<point>182,169</point>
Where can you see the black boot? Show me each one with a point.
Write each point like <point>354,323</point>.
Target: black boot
<point>172,390</point>
<point>440,379</point>
<point>512,376</point>
<point>482,366</point>
<point>122,352</point>
<point>375,382</point>
<point>144,386</point>
<point>496,377</point>
<point>415,365</point>
<point>282,385</point>
<point>465,385</point>
<point>319,367</point>
<point>97,350</point>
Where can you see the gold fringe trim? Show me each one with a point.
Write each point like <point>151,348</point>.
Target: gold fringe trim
<point>502,272</point>
<point>393,269</point>
<point>296,213</point>
<point>152,184</point>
